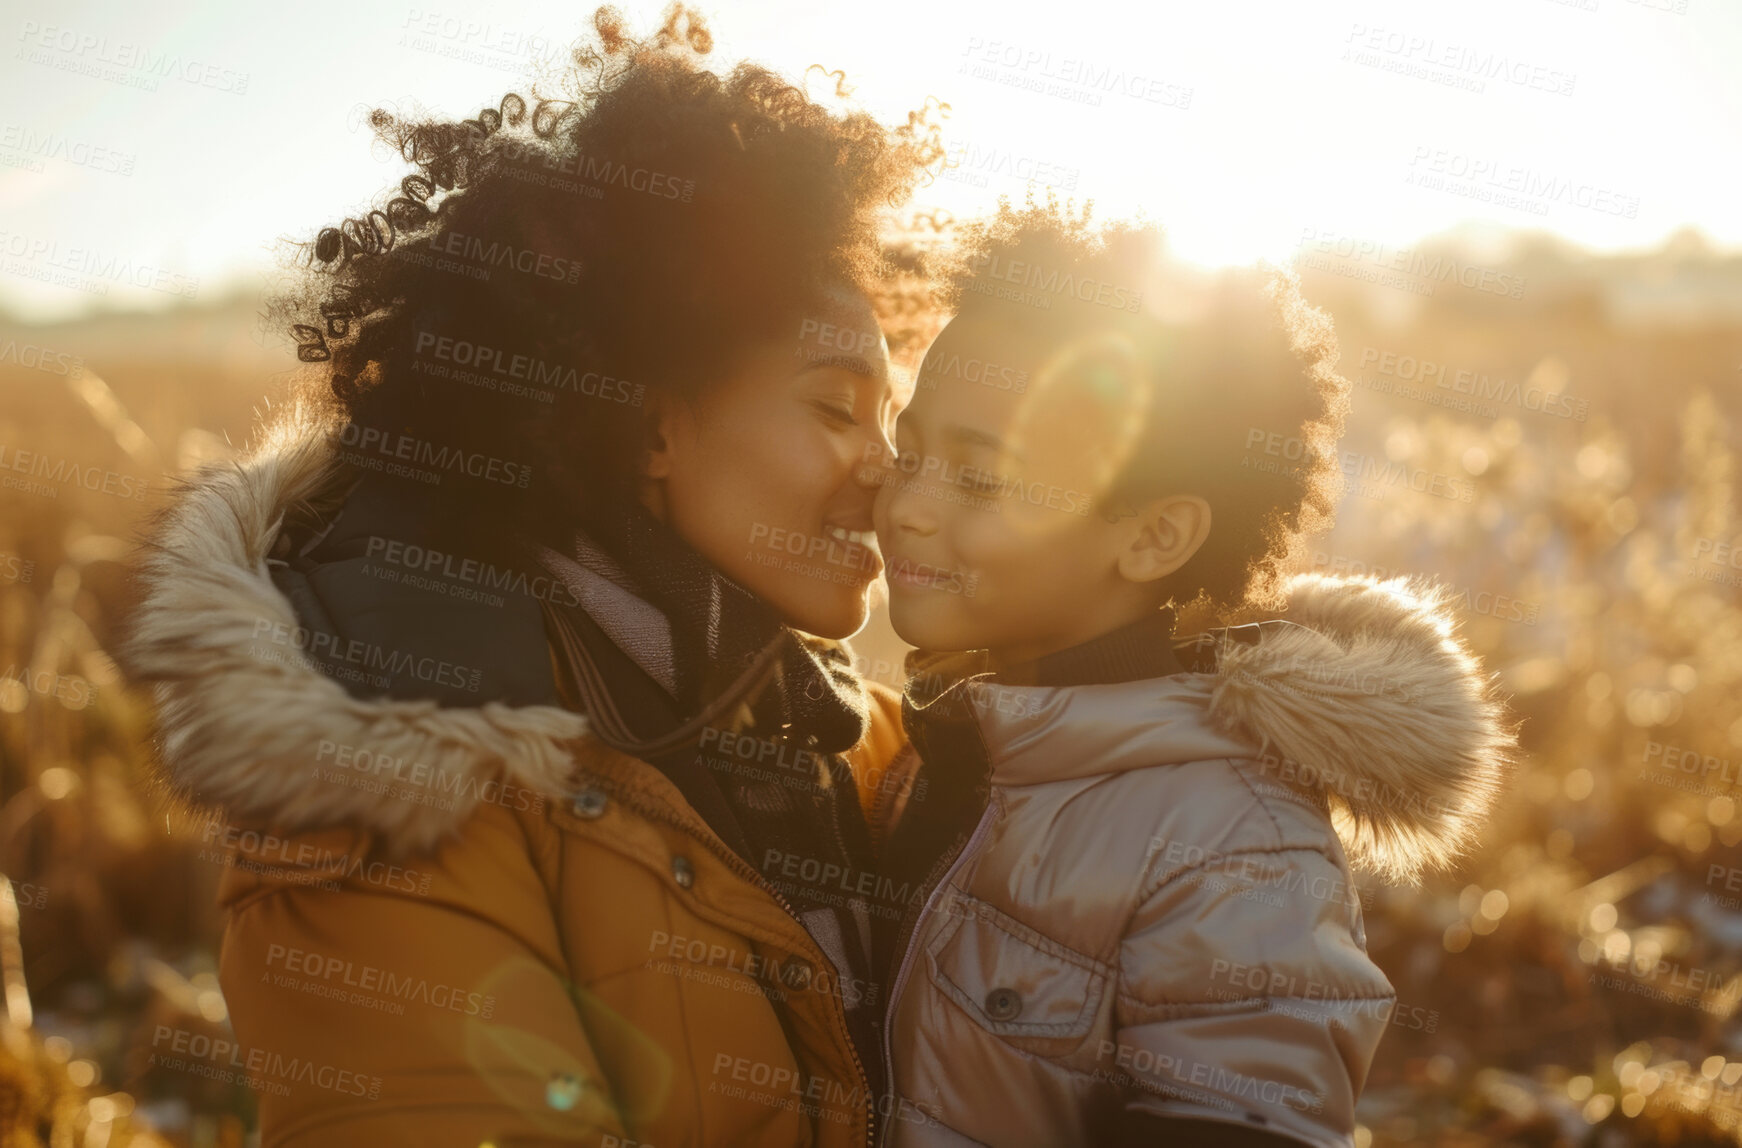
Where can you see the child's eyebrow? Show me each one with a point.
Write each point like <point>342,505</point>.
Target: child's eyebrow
<point>853,364</point>
<point>973,436</point>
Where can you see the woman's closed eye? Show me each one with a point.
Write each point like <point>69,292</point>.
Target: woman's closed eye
<point>837,411</point>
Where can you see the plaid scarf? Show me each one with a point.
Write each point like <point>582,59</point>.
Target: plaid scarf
<point>678,661</point>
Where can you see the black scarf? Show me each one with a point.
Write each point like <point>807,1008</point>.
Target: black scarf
<point>724,662</point>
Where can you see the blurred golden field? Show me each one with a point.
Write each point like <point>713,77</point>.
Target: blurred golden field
<point>1577,983</point>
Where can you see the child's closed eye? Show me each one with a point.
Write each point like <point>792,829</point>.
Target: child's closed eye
<point>983,481</point>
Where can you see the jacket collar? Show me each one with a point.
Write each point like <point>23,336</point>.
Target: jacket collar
<point>1143,649</point>
<point>1363,693</point>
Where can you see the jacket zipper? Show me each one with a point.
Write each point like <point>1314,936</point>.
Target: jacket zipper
<point>744,869</point>
<point>909,942</point>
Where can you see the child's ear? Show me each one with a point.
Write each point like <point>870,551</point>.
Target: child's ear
<point>1163,536</point>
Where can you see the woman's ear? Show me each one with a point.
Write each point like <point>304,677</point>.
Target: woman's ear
<point>1163,536</point>
<point>662,429</point>
<point>658,430</point>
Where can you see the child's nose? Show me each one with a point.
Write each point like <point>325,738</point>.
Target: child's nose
<point>903,508</point>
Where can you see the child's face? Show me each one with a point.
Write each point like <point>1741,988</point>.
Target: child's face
<point>991,522</point>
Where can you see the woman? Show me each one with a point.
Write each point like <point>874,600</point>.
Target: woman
<point>489,658</point>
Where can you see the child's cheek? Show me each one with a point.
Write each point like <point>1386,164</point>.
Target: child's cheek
<point>996,550</point>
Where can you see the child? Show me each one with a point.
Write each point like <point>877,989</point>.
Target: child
<point>1138,923</point>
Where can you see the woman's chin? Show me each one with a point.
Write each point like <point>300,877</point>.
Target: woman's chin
<point>924,623</point>
<point>836,620</point>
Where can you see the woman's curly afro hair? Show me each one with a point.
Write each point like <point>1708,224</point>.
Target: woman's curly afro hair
<point>553,260</point>
<point>1227,389</point>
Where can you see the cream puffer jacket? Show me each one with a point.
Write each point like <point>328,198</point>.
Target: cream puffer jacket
<point>1156,911</point>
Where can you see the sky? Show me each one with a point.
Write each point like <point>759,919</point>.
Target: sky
<point>153,154</point>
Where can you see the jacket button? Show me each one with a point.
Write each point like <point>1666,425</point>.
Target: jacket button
<point>590,803</point>
<point>797,973</point>
<point>683,871</point>
<point>1003,1004</point>
<point>562,1091</point>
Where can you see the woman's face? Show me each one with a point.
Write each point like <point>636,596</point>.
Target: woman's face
<point>765,475</point>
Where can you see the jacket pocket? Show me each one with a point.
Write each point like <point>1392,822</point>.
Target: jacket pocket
<point>1015,983</point>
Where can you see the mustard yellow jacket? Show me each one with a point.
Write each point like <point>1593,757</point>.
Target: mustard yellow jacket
<point>467,926</point>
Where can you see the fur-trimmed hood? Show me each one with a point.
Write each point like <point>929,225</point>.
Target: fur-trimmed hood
<point>249,723</point>
<point>1361,692</point>
<point>1371,697</point>
<point>1364,691</point>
